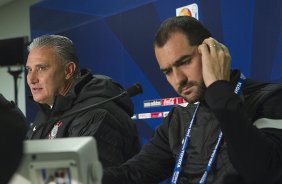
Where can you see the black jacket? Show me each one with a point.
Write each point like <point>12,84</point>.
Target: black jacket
<point>109,123</point>
<point>251,150</point>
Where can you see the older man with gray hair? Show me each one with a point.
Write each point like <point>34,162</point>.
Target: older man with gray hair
<point>61,90</point>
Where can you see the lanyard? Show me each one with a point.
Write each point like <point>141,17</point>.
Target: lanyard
<point>186,141</point>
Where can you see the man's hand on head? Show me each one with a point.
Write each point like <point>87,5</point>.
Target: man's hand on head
<point>216,61</point>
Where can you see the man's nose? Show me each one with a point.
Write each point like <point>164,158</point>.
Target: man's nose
<point>32,77</point>
<point>178,75</point>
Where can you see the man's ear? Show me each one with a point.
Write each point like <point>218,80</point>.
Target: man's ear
<point>69,70</point>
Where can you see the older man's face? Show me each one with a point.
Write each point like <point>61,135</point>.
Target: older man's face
<point>45,75</point>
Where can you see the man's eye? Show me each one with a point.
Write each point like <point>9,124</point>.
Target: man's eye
<point>42,68</point>
<point>185,61</point>
<point>28,70</point>
<point>167,72</point>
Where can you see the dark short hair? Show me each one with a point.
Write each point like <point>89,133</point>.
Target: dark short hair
<point>191,27</point>
<point>63,47</point>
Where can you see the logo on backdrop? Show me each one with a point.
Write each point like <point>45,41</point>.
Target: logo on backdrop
<point>188,10</point>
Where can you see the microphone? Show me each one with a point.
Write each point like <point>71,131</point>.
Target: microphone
<point>131,91</point>
<point>134,90</point>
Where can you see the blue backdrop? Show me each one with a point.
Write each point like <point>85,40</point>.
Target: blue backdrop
<point>114,38</point>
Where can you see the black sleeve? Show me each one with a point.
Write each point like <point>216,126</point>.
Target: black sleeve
<point>13,128</point>
<point>153,164</point>
<point>116,141</point>
<point>255,153</point>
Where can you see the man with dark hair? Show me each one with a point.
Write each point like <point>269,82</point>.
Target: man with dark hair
<point>61,90</point>
<point>231,130</point>
<point>13,128</point>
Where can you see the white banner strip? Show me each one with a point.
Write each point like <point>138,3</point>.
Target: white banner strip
<point>163,102</point>
<point>150,115</point>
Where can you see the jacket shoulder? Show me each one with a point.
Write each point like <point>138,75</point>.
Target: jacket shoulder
<point>256,93</point>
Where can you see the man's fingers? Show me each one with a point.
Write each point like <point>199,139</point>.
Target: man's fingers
<point>203,49</point>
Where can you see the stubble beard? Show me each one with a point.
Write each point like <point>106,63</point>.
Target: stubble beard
<point>197,94</point>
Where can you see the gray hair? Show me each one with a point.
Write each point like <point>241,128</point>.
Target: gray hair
<point>63,47</point>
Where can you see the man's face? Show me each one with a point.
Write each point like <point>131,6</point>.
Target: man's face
<point>45,75</point>
<point>181,63</point>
